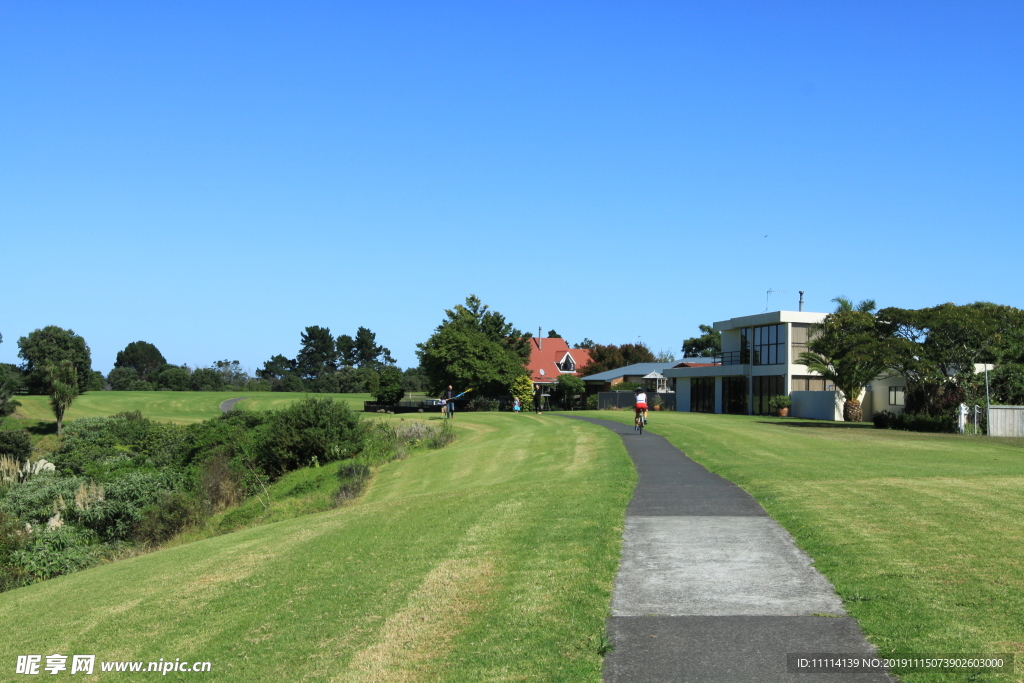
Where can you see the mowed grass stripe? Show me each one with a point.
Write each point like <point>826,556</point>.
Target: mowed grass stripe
<point>920,533</point>
<point>497,568</point>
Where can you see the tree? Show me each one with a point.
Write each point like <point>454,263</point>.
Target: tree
<point>10,382</point>
<point>476,348</point>
<point>844,349</point>
<point>707,345</point>
<point>386,385</point>
<point>206,379</point>
<point>587,343</point>
<point>127,379</point>
<point>232,372</point>
<point>665,356</point>
<point>935,349</point>
<point>413,380</point>
<point>174,378</point>
<point>369,354</point>
<point>63,382</point>
<point>604,357</point>
<point>318,355</point>
<point>49,346</point>
<point>567,388</point>
<point>346,351</point>
<point>142,357</point>
<point>553,335</point>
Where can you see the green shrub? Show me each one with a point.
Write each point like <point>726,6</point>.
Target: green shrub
<point>17,445</point>
<point>482,404</point>
<point>444,435</point>
<point>47,554</point>
<point>910,422</point>
<point>12,539</point>
<point>591,402</point>
<point>780,401</point>
<point>162,520</point>
<point>313,428</point>
<point>627,386</point>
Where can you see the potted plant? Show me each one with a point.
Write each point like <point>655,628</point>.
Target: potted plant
<point>656,403</point>
<point>780,404</point>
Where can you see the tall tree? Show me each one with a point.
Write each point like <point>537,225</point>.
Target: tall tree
<point>142,357</point>
<point>844,349</point>
<point>587,343</point>
<point>318,355</point>
<point>604,357</point>
<point>368,353</point>
<point>49,346</point>
<point>346,351</point>
<point>62,378</point>
<point>553,335</point>
<point>474,348</point>
<point>935,349</point>
<point>707,344</point>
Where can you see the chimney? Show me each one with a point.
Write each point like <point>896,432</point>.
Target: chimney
<point>540,340</point>
<point>801,301</point>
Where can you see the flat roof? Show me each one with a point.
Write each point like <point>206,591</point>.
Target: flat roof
<point>769,318</point>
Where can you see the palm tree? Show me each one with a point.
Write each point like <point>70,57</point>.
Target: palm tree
<point>63,379</point>
<point>843,348</point>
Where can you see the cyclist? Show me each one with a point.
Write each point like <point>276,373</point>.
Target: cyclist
<point>641,407</point>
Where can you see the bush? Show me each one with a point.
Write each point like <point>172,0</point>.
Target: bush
<point>12,539</point>
<point>162,520</point>
<point>17,445</point>
<point>444,435</point>
<point>353,477</point>
<point>220,485</point>
<point>910,422</point>
<point>780,401</point>
<point>311,429</point>
<point>47,554</point>
<point>591,402</point>
<point>482,404</point>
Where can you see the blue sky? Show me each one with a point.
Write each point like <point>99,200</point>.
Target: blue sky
<point>214,177</point>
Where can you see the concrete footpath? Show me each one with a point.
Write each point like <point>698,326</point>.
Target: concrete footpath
<point>712,589</point>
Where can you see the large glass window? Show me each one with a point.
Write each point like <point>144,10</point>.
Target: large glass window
<point>702,395</point>
<point>768,344</point>
<point>734,395</point>
<point>764,389</point>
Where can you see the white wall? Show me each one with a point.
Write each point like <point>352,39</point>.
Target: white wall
<point>817,405</point>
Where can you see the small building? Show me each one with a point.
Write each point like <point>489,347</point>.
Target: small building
<point>650,375</point>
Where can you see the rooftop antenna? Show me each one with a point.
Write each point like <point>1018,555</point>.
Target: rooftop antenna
<point>768,296</point>
<point>801,301</point>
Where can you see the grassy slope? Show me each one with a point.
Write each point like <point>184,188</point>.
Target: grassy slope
<point>491,559</point>
<point>920,533</point>
<point>181,407</point>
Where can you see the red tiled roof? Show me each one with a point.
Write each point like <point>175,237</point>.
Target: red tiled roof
<point>546,351</point>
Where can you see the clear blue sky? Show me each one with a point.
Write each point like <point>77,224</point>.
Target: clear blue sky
<point>214,177</point>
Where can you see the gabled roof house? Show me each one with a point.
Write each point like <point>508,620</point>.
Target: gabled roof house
<point>551,357</point>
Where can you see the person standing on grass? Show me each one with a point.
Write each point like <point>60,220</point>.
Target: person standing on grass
<point>538,397</point>
<point>515,405</point>
<point>449,401</point>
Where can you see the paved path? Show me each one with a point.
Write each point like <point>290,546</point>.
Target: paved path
<point>712,589</point>
<point>229,405</point>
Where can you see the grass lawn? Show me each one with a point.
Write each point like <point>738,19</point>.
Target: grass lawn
<point>182,407</point>
<point>920,533</point>
<point>491,559</point>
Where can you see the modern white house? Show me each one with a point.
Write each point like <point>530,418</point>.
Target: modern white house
<point>759,360</point>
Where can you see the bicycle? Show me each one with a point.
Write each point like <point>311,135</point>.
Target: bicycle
<point>639,422</point>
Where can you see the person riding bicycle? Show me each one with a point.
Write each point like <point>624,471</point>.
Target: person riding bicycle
<point>641,404</point>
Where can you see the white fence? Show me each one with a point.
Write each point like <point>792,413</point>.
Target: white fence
<point>1006,421</point>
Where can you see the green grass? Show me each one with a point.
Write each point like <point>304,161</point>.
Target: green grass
<point>920,533</point>
<point>491,559</point>
<point>182,407</point>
